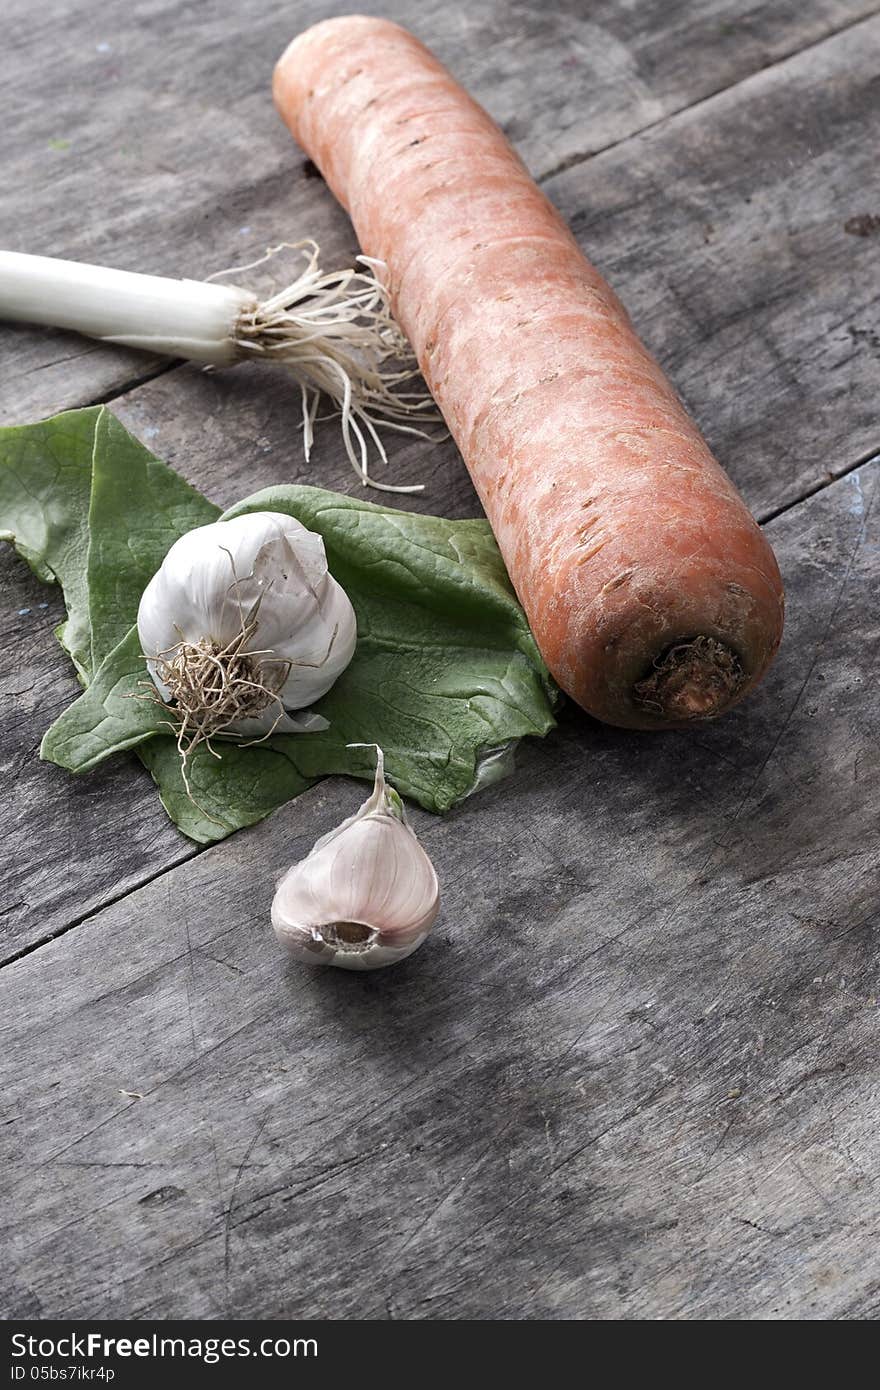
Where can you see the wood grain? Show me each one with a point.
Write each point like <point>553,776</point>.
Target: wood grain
<point>69,844</point>
<point>728,232</point>
<point>632,1074</point>
<point>144,135</point>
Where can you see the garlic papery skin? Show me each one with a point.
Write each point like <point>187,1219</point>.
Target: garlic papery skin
<point>366,896</point>
<point>247,606</point>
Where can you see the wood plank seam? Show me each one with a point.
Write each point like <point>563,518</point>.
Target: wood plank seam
<point>573,160</point>
<point>872,456</point>
<point>100,907</point>
<point>128,387</point>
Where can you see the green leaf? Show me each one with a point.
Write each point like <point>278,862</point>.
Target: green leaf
<point>45,484</point>
<point>139,508</point>
<point>229,793</point>
<point>446,672</point>
<point>391,557</point>
<point>117,710</point>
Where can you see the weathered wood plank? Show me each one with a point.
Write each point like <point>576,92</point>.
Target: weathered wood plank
<point>633,1074</point>
<point>731,233</point>
<point>147,140</point>
<point>69,844</point>
<point>706,311</point>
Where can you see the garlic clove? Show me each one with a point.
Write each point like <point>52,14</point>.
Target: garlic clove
<point>367,895</point>
<point>209,576</point>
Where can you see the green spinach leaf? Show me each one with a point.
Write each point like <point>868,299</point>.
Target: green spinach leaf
<point>445,673</point>
<point>45,486</point>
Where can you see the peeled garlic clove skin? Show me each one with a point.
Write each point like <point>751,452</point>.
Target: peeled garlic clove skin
<point>365,897</point>
<point>216,574</point>
<point>324,640</point>
<point>275,720</point>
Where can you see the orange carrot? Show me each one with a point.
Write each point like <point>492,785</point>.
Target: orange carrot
<point>652,593</point>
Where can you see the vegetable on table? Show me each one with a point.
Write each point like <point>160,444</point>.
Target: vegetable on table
<point>445,674</point>
<point>331,330</point>
<point>653,595</point>
<point>242,627</point>
<point>366,895</point>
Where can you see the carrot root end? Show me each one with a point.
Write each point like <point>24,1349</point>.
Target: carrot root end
<point>691,680</point>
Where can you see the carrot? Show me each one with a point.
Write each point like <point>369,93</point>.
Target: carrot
<point>651,591</point>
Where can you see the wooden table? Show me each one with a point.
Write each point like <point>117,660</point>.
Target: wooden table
<point>636,1072</point>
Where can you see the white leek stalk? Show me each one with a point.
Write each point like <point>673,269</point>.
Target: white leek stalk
<point>172,318</point>
<point>332,331</point>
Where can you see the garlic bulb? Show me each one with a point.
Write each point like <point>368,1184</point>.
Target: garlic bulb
<point>242,624</point>
<point>366,896</point>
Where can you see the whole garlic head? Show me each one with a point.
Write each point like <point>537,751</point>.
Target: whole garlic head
<point>367,895</point>
<point>251,598</point>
